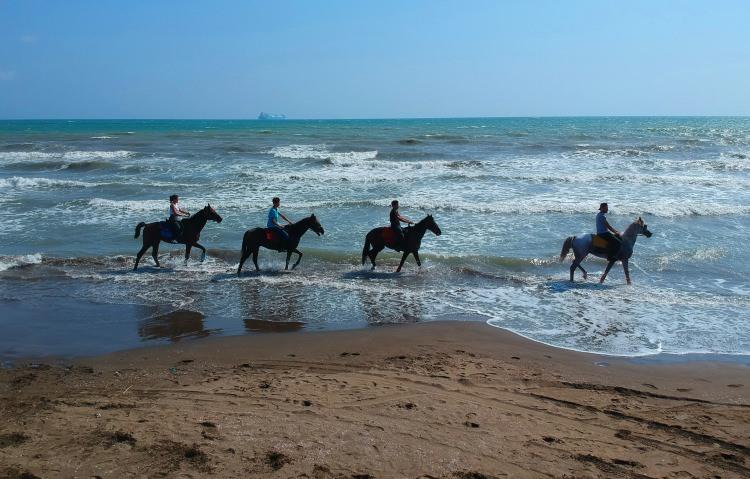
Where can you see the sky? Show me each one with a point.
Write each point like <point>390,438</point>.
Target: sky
<point>372,59</point>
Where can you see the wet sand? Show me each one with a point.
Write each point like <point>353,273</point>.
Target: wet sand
<point>436,400</point>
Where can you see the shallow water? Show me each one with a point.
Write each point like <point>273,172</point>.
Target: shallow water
<point>505,192</point>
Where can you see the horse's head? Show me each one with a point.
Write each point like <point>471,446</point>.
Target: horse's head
<point>643,228</point>
<point>211,213</point>
<point>432,226</point>
<point>315,225</point>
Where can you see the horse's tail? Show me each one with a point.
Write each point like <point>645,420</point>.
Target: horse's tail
<point>366,249</point>
<point>245,244</point>
<point>566,247</point>
<point>138,229</point>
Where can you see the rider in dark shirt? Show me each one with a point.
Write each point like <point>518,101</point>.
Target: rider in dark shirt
<point>396,220</point>
<point>605,230</point>
<point>175,212</point>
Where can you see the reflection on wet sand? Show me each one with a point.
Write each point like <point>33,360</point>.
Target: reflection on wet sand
<point>261,326</point>
<point>389,308</point>
<point>174,326</point>
<point>267,309</point>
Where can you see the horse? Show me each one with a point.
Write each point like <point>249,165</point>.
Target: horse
<point>191,231</point>
<point>381,237</point>
<point>583,245</point>
<point>266,237</point>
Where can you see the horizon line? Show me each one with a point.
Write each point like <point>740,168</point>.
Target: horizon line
<point>369,119</point>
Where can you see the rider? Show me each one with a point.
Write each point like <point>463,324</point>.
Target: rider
<point>175,212</point>
<point>396,220</point>
<point>273,219</point>
<point>605,230</point>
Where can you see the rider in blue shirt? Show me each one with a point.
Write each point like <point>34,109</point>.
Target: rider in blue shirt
<point>605,230</point>
<point>273,219</point>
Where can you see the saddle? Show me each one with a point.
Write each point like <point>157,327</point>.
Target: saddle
<point>603,246</point>
<point>274,237</point>
<point>166,232</point>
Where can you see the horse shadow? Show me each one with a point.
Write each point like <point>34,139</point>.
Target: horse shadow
<point>371,275</point>
<point>562,286</point>
<point>262,273</point>
<point>145,270</point>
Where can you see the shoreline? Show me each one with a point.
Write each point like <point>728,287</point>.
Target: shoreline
<point>271,328</point>
<point>436,399</point>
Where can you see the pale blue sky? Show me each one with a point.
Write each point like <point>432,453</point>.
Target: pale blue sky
<point>372,59</point>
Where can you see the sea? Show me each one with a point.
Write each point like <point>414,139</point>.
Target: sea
<point>506,192</point>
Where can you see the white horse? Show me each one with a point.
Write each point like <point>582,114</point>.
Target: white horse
<point>582,246</point>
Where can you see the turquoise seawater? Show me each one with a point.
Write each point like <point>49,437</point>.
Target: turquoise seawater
<point>506,192</point>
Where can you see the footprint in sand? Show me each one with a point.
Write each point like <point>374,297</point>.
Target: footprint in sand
<point>735,385</point>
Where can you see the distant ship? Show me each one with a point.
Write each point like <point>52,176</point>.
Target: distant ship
<point>270,116</point>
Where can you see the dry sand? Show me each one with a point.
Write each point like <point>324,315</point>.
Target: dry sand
<point>439,400</point>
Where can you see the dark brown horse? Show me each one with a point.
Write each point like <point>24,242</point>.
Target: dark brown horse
<point>268,238</point>
<point>191,232</point>
<point>382,237</point>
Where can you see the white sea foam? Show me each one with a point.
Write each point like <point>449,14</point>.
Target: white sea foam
<point>319,152</point>
<point>8,262</point>
<point>17,156</point>
<point>20,182</point>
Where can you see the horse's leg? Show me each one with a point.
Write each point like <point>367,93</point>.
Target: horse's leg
<point>575,264</point>
<point>188,249</point>
<point>138,256</point>
<point>403,260</point>
<point>374,254</point>
<point>606,271</point>
<point>299,258</point>
<point>416,257</point>
<point>203,251</point>
<point>155,254</point>
<point>626,268</point>
<point>243,258</point>
<point>585,274</point>
<point>255,259</point>
<point>288,255</point>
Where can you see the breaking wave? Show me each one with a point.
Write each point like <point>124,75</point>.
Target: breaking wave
<point>319,152</point>
<point>10,262</point>
<point>22,183</point>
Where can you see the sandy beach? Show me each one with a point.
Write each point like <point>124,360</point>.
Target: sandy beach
<point>436,400</point>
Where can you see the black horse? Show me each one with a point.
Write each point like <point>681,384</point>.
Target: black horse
<point>191,232</point>
<point>384,236</point>
<point>268,238</point>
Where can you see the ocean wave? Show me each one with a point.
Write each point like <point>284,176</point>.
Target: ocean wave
<point>409,141</point>
<point>22,183</point>
<point>54,165</point>
<point>71,160</point>
<point>103,137</point>
<point>11,262</point>
<point>446,137</point>
<point>17,147</point>
<point>14,156</point>
<point>659,207</point>
<point>320,152</point>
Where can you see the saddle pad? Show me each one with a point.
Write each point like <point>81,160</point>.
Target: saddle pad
<point>165,231</point>
<point>389,236</point>
<point>599,242</point>
<point>272,235</point>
